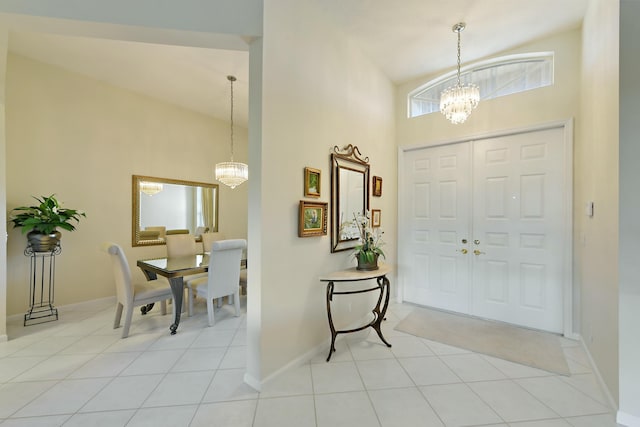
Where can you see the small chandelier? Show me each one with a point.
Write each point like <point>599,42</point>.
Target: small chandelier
<point>150,188</point>
<point>232,173</point>
<point>457,102</point>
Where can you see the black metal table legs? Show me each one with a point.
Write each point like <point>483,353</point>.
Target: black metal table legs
<point>378,311</point>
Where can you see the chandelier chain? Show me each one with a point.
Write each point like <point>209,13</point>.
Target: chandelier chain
<point>457,102</point>
<point>231,80</point>
<point>459,56</point>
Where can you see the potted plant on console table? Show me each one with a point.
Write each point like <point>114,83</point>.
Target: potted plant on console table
<point>369,249</point>
<point>41,222</point>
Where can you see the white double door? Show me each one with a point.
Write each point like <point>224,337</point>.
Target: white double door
<point>484,228</point>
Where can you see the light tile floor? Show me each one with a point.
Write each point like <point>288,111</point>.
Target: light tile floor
<point>78,372</point>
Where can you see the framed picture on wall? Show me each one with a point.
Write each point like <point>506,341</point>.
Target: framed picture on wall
<point>375,218</point>
<point>311,182</point>
<point>377,186</point>
<point>312,220</point>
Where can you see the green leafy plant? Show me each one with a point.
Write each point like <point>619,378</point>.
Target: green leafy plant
<point>371,242</point>
<point>45,217</point>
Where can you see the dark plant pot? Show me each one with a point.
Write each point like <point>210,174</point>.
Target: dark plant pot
<point>43,242</point>
<point>367,265</point>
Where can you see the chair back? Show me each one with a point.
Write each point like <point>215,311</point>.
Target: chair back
<point>201,230</point>
<point>181,245</point>
<point>162,230</point>
<point>121,272</point>
<point>224,267</point>
<point>209,238</point>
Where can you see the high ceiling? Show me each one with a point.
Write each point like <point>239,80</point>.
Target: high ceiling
<point>410,38</point>
<point>405,38</point>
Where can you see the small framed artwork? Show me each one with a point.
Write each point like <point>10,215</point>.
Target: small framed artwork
<point>375,218</point>
<point>312,219</point>
<point>377,186</point>
<point>311,182</point>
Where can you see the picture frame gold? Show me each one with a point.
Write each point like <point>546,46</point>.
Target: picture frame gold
<point>377,186</point>
<point>312,182</point>
<point>312,219</point>
<point>375,218</point>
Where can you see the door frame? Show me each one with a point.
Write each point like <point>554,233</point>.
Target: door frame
<point>567,261</point>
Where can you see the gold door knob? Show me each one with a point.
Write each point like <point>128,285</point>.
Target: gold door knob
<point>464,251</point>
<point>477,252</point>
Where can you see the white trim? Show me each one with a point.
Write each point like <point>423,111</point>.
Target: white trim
<point>567,126</point>
<point>402,255</point>
<point>59,307</point>
<point>596,372</point>
<point>627,419</point>
<point>252,382</point>
<point>568,229</point>
<point>320,349</point>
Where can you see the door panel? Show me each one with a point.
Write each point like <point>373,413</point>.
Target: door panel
<point>518,203</point>
<point>506,197</point>
<point>439,219</point>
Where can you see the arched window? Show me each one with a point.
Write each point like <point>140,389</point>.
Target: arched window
<point>496,77</point>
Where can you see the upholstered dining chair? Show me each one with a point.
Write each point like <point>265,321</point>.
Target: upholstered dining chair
<point>210,237</point>
<point>162,230</point>
<point>207,241</point>
<point>129,294</point>
<point>222,278</point>
<point>183,245</point>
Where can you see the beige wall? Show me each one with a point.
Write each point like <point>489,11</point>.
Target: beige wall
<point>319,91</point>
<point>557,102</point>
<point>82,140</point>
<point>596,179</point>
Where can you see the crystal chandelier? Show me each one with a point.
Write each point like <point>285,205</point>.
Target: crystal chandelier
<point>232,173</point>
<point>150,188</point>
<point>457,102</point>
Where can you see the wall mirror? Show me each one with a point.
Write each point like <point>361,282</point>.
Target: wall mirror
<point>164,206</point>
<point>349,195</point>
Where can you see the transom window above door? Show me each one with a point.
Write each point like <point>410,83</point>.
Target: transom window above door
<point>496,77</point>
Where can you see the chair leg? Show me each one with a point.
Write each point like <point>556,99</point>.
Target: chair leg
<point>116,322</point>
<point>127,321</point>
<point>163,307</point>
<point>236,302</point>
<point>210,310</point>
<point>190,297</point>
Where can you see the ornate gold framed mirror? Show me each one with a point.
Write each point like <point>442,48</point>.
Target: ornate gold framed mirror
<point>164,206</point>
<point>349,195</point>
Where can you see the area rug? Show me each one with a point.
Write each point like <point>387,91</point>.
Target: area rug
<point>524,346</point>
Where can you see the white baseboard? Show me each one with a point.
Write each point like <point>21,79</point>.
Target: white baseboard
<point>76,305</point>
<point>302,359</point>
<point>573,336</point>
<point>627,419</point>
<point>252,382</point>
<point>4,338</point>
<point>596,371</point>
<point>298,361</point>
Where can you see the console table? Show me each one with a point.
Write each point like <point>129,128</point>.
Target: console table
<point>354,275</point>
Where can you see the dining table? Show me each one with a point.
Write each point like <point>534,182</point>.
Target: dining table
<point>174,269</point>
